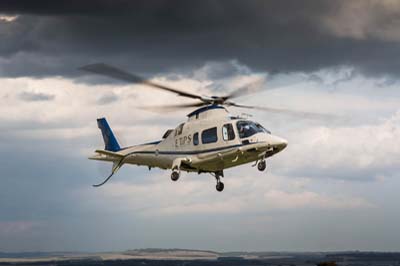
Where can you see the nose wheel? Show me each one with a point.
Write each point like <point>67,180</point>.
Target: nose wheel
<point>262,165</point>
<point>175,175</point>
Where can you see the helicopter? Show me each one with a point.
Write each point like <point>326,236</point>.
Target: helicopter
<point>210,141</point>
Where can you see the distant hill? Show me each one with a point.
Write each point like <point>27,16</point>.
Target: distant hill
<point>159,256</point>
<point>155,250</point>
<point>176,253</point>
<point>36,254</point>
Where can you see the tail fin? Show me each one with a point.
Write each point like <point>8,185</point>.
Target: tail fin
<point>111,143</point>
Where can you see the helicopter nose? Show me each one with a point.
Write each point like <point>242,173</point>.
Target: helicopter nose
<point>283,143</point>
<point>279,143</point>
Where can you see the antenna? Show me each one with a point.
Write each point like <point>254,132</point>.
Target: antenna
<point>245,115</point>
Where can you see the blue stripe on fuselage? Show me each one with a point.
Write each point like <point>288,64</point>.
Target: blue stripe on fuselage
<point>191,152</point>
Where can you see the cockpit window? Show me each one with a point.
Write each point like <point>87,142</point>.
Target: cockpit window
<point>249,128</point>
<point>263,128</point>
<point>167,133</point>
<point>179,129</point>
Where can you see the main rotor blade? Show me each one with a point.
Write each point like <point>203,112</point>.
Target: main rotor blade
<point>173,107</point>
<point>116,73</point>
<point>313,115</point>
<point>249,88</point>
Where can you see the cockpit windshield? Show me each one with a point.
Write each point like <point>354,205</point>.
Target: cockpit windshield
<point>249,128</point>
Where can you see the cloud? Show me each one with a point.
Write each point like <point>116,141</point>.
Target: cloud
<point>8,18</point>
<point>362,20</point>
<point>245,195</point>
<point>107,98</point>
<point>285,36</point>
<point>364,152</point>
<point>29,96</point>
<point>15,227</point>
<point>307,186</point>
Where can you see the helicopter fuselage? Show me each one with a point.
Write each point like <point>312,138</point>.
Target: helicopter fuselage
<point>205,145</point>
<point>210,141</point>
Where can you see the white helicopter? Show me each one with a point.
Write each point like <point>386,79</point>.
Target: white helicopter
<point>210,141</point>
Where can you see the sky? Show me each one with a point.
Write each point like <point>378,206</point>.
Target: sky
<point>333,188</point>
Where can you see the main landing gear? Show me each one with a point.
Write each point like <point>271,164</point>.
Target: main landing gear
<point>176,169</point>
<point>220,185</point>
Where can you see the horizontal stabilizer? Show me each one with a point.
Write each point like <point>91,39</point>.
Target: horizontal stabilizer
<point>103,155</point>
<point>109,153</point>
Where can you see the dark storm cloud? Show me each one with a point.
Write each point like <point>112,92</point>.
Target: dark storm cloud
<point>53,38</point>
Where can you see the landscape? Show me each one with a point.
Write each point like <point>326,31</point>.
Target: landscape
<point>187,257</point>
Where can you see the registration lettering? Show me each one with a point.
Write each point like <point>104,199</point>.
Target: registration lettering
<point>183,141</point>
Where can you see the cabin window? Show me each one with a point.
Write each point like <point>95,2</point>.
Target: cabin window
<point>209,135</point>
<point>227,132</point>
<point>196,139</point>
<point>249,128</point>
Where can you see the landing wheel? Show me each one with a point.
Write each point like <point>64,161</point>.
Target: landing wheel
<point>218,175</point>
<point>175,175</point>
<point>262,165</point>
<point>219,186</point>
